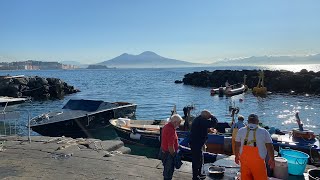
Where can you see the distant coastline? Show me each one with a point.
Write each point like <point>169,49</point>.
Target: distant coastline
<point>96,66</point>
<point>34,65</point>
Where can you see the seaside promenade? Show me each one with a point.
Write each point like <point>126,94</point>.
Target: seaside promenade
<point>67,158</point>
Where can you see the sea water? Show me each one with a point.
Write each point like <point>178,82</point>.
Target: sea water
<point>156,93</point>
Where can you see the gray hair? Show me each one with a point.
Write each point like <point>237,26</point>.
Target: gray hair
<point>240,118</point>
<point>205,114</point>
<point>175,118</point>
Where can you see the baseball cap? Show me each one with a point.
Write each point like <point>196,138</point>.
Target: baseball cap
<point>253,117</point>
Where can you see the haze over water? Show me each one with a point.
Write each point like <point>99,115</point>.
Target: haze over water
<point>156,93</point>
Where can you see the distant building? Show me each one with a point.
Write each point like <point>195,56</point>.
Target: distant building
<point>68,66</point>
<point>33,65</point>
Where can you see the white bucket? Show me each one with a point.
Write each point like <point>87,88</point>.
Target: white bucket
<point>123,122</point>
<point>135,136</point>
<point>281,168</point>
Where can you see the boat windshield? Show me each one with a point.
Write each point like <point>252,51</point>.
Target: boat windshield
<point>84,105</point>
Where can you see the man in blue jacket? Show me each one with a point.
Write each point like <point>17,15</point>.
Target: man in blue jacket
<point>198,137</point>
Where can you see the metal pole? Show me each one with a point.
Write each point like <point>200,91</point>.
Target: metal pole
<point>29,132</point>
<point>4,124</point>
<point>15,127</point>
<point>9,123</point>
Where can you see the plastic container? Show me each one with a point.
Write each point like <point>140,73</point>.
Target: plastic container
<point>216,171</point>
<point>227,144</point>
<point>314,174</point>
<point>297,161</point>
<point>281,168</point>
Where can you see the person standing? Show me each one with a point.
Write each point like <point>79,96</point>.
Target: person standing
<point>169,145</point>
<point>253,143</point>
<point>198,137</point>
<point>234,130</point>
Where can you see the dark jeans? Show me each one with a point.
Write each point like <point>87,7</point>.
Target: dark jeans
<point>168,165</point>
<point>197,158</point>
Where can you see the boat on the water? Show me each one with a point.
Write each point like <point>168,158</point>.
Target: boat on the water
<point>10,77</point>
<point>79,118</point>
<point>231,90</point>
<point>7,101</point>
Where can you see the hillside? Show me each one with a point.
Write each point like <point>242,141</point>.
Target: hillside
<point>272,60</point>
<point>146,59</point>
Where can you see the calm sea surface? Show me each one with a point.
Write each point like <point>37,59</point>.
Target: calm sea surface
<point>156,93</point>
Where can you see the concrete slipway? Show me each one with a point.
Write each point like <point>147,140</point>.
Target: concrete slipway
<point>67,158</point>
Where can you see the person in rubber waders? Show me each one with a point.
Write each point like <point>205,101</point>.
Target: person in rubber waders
<point>253,143</point>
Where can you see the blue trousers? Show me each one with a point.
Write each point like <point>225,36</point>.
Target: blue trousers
<point>168,165</point>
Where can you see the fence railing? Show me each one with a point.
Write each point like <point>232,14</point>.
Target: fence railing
<point>8,123</point>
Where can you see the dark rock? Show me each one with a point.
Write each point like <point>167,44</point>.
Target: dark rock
<point>21,81</point>
<point>276,81</point>
<point>315,83</point>
<point>178,81</point>
<point>53,81</point>
<point>41,81</point>
<point>37,87</point>
<point>303,71</point>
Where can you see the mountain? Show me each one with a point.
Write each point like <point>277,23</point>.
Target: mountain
<point>272,60</point>
<point>147,59</point>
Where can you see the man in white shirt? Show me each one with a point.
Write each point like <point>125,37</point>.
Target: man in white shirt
<point>253,143</point>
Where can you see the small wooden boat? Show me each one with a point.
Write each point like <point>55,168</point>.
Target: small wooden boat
<point>260,90</point>
<point>147,133</point>
<point>140,132</point>
<point>304,134</point>
<point>301,132</point>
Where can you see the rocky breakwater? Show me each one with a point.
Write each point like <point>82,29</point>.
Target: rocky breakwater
<point>276,81</point>
<point>38,88</point>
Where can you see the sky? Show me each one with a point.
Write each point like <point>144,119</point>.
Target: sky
<point>196,31</point>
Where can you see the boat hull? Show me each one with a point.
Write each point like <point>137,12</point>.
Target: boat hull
<point>85,126</point>
<point>143,139</point>
<point>186,153</point>
<point>9,101</point>
<point>229,91</point>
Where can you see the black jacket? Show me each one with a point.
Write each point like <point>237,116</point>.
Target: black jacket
<point>199,131</point>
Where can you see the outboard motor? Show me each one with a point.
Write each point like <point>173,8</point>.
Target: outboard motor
<point>186,112</point>
<point>221,91</point>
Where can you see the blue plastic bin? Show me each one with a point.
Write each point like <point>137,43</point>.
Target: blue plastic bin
<point>297,161</point>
